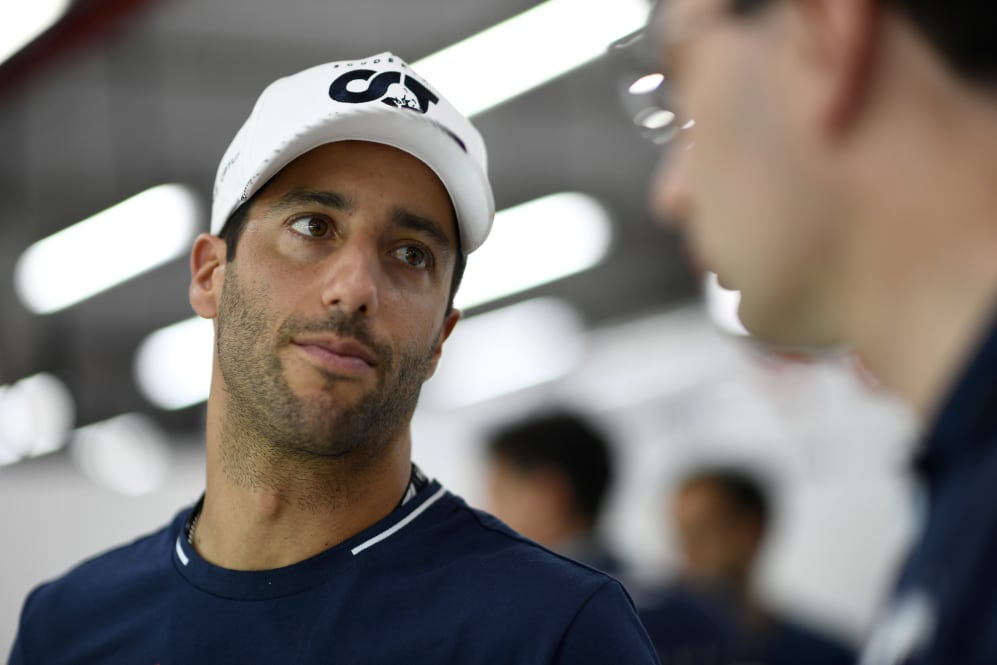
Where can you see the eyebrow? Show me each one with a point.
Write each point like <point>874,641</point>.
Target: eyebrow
<point>310,196</point>
<point>409,220</point>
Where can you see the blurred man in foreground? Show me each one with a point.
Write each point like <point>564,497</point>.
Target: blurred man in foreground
<point>833,160</point>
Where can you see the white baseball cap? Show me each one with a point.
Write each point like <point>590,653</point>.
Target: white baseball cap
<point>378,99</point>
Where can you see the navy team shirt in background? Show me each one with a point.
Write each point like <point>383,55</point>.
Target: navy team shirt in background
<point>434,582</point>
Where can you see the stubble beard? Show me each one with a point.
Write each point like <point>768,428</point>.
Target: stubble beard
<point>265,418</point>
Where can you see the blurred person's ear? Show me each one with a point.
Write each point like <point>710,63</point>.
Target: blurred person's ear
<point>746,538</point>
<point>837,46</point>
<point>553,489</point>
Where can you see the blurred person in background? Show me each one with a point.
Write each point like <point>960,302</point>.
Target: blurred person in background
<point>343,213</point>
<point>549,476</point>
<point>721,518</point>
<point>834,161</point>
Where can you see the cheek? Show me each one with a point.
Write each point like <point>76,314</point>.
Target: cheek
<point>745,172</point>
<point>729,166</point>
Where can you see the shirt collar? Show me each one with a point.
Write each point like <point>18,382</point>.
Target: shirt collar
<point>967,423</point>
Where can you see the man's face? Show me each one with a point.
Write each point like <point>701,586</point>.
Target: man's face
<point>717,546</point>
<point>334,309</point>
<point>743,184</point>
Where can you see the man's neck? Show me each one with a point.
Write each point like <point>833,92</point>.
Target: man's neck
<point>924,284</point>
<point>922,259</point>
<point>270,511</point>
<point>923,338</point>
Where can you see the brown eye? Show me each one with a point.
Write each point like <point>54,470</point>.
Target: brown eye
<point>413,255</point>
<point>312,226</point>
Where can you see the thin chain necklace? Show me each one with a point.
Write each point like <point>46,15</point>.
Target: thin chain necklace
<point>193,525</point>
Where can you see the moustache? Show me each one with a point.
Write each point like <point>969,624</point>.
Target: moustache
<point>340,325</point>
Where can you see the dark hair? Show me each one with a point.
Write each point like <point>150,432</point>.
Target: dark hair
<point>744,492</point>
<point>961,32</point>
<point>746,6</point>
<point>563,441</point>
<point>236,222</point>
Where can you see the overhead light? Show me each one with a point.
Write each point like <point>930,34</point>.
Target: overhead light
<point>27,20</point>
<point>91,256</point>
<point>535,243</point>
<point>527,50</point>
<point>128,454</point>
<point>173,364</point>
<point>505,351</point>
<point>722,305</point>
<point>36,416</point>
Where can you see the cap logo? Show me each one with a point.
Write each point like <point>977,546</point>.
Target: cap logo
<point>391,88</point>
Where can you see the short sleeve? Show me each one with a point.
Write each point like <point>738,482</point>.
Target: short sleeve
<point>606,631</point>
<point>16,656</point>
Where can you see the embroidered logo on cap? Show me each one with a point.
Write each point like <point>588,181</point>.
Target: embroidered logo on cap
<point>392,88</point>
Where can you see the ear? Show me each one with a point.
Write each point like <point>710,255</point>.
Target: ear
<point>555,489</point>
<point>840,44</point>
<point>448,325</point>
<point>751,535</point>
<point>207,274</point>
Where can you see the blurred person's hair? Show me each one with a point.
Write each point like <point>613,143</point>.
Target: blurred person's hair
<point>962,32</point>
<point>564,441</point>
<point>743,491</point>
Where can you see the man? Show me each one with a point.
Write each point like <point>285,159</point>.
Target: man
<point>549,474</point>
<point>835,168</point>
<point>345,207</point>
<point>720,517</point>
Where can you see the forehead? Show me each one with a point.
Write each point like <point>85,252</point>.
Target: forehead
<point>366,171</point>
<point>703,494</point>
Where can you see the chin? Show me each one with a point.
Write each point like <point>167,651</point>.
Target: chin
<point>788,335</point>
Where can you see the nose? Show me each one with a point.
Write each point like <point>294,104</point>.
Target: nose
<point>350,280</point>
<point>671,200</point>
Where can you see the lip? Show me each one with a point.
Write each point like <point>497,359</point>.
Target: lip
<point>337,354</point>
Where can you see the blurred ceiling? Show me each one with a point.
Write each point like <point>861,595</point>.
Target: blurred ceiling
<point>123,95</point>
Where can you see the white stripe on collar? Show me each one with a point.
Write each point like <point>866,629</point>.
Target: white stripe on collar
<point>180,553</point>
<point>387,533</point>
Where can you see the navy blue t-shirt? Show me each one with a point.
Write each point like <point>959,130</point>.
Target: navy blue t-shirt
<point>688,628</point>
<point>787,642</point>
<point>434,582</point>
<point>690,625</point>
<point>944,610</point>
